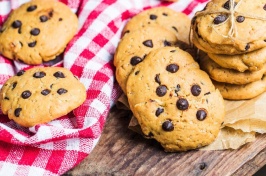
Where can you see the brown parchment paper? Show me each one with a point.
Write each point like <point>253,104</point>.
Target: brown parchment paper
<point>242,121</point>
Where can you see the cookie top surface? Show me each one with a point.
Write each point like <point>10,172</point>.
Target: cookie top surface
<point>37,31</point>
<point>176,22</point>
<point>241,92</point>
<point>134,46</point>
<point>222,29</point>
<point>231,76</point>
<point>175,102</point>
<point>251,61</point>
<point>40,95</point>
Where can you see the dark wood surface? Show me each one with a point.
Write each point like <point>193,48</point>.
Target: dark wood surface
<point>121,151</point>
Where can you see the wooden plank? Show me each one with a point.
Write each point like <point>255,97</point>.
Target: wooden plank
<point>121,151</point>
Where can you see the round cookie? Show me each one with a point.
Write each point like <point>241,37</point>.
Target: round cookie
<point>37,31</point>
<point>241,92</point>
<point>222,29</point>
<point>221,74</point>
<point>135,45</point>
<point>175,102</point>
<point>40,95</point>
<point>251,61</point>
<point>176,22</point>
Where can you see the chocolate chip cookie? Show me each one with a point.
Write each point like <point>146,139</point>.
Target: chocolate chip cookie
<point>176,22</point>
<point>230,26</point>
<point>241,92</point>
<point>37,31</point>
<point>40,95</point>
<point>231,76</point>
<point>251,61</point>
<point>134,46</point>
<point>175,102</point>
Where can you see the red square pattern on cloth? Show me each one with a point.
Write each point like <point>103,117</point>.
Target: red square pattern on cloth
<point>56,147</point>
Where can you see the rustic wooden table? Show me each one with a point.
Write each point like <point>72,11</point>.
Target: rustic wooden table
<point>121,151</point>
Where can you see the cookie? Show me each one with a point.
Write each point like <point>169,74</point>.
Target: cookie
<point>241,92</point>
<point>40,95</point>
<point>175,102</point>
<point>221,74</point>
<point>37,31</point>
<point>222,29</point>
<point>251,61</point>
<point>176,22</point>
<point>135,45</point>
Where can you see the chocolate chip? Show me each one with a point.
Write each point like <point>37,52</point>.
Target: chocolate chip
<point>32,44</point>
<point>168,126</point>
<point>161,90</point>
<point>6,98</point>
<point>153,17</point>
<point>219,19</point>
<point>165,14</point>
<point>26,94</point>
<point>14,85</point>
<point>20,73</point>
<point>201,114</point>
<point>31,8</point>
<point>172,68</point>
<point>43,18</point>
<point>16,24</point>
<point>240,19</point>
<point>40,74</point>
<point>227,5</point>
<point>45,92</point>
<point>17,112</point>
<point>148,43</point>
<point>59,74</point>
<point>157,79</point>
<point>264,7</point>
<point>19,30</point>
<point>247,47</point>
<point>135,60</point>
<point>166,43</point>
<point>137,72</point>
<point>195,90</point>
<point>35,31</point>
<point>159,111</point>
<point>61,91</point>
<point>178,88</point>
<point>172,51</point>
<point>175,28</point>
<point>182,104</point>
<point>51,13</point>
<point>60,19</point>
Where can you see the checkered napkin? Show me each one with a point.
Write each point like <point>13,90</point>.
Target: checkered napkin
<point>56,147</point>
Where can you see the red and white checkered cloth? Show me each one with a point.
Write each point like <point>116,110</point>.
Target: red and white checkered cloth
<point>56,147</point>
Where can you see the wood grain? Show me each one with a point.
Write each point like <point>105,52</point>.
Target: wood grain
<point>121,151</point>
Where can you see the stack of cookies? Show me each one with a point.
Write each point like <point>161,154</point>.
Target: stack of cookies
<point>40,94</point>
<point>173,100</point>
<point>233,34</point>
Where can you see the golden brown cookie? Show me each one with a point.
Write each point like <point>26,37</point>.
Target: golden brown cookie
<point>230,27</point>
<point>176,22</point>
<point>37,31</point>
<point>40,95</point>
<point>134,46</point>
<point>241,92</point>
<point>174,101</point>
<point>221,74</point>
<point>251,61</point>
